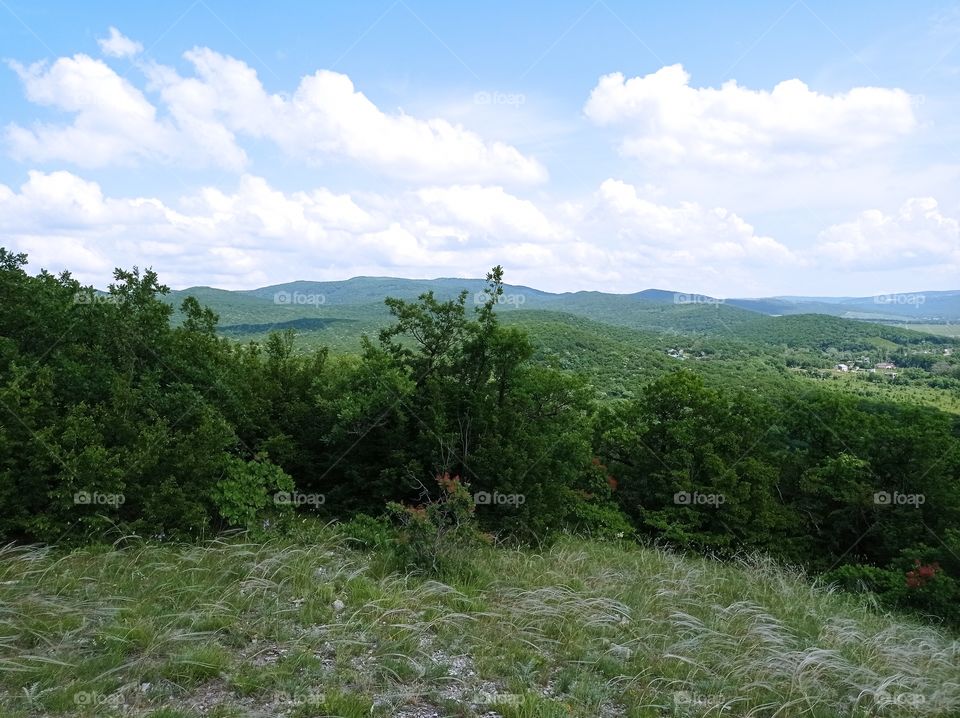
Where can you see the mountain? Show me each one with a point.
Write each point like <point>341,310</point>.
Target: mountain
<point>920,307</point>
<point>361,298</point>
<point>358,306</point>
<point>365,290</point>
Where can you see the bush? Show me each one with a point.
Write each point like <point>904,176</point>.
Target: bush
<point>600,521</point>
<point>858,578</point>
<point>923,588</point>
<point>247,490</point>
<point>369,532</point>
<point>430,535</point>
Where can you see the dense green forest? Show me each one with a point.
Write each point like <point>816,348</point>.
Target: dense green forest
<point>123,414</point>
<point>618,341</point>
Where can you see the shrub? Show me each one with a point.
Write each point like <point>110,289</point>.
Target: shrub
<point>430,534</point>
<point>600,521</point>
<point>858,578</point>
<point>368,532</point>
<point>247,490</point>
<point>924,588</point>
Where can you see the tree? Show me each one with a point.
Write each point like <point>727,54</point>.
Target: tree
<point>690,464</point>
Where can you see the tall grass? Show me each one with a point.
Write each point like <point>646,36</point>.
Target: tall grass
<point>314,628</point>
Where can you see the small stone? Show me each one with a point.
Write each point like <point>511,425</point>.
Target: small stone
<point>338,605</point>
<point>620,652</point>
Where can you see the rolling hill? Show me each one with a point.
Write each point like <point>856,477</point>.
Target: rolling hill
<point>236,306</point>
<point>620,341</point>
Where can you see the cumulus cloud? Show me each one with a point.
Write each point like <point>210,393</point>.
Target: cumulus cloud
<point>489,210</point>
<point>686,234</point>
<point>326,116</point>
<point>254,234</point>
<point>918,235</point>
<point>203,119</point>
<point>118,45</point>
<point>666,120</point>
<point>114,123</point>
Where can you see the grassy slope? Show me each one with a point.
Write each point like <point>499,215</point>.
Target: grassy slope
<point>313,628</point>
<point>947,330</point>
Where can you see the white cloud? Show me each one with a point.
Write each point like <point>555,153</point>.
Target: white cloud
<point>490,210</point>
<point>203,120</point>
<point>255,234</point>
<point>63,202</point>
<point>327,116</point>
<point>118,45</point>
<point>918,235</point>
<point>668,121</point>
<point>252,235</point>
<point>114,123</point>
<point>685,234</point>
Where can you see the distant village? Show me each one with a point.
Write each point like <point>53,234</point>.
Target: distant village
<point>885,366</point>
<point>863,364</point>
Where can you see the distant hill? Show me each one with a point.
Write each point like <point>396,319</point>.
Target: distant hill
<point>341,310</point>
<point>358,304</point>
<point>918,307</point>
<point>822,332</point>
<point>921,307</point>
<point>364,290</point>
<point>620,340</point>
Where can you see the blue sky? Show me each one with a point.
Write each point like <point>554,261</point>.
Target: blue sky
<point>763,148</point>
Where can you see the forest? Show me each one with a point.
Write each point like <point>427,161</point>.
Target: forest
<point>451,424</point>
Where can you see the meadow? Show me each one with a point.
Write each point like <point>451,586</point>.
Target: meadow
<point>318,624</point>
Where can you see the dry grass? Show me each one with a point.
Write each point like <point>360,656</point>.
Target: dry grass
<point>314,628</point>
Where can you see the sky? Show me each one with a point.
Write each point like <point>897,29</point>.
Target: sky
<point>729,149</point>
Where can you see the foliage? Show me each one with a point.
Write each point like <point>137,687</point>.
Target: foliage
<point>430,535</point>
<point>923,589</point>
<point>730,432</point>
<point>368,532</point>
<point>682,455</point>
<point>249,487</point>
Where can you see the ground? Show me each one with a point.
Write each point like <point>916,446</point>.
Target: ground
<point>317,627</point>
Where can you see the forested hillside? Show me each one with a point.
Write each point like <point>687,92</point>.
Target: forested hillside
<point>616,340</point>
<point>117,420</point>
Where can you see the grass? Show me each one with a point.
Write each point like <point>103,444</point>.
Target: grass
<point>947,330</point>
<point>312,627</point>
